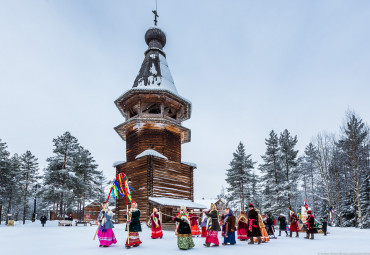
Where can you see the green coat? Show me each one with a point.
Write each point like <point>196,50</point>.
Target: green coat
<point>135,225</point>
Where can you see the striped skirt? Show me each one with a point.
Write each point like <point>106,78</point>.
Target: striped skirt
<point>133,239</point>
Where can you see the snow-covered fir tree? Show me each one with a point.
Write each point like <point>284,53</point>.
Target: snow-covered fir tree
<point>239,177</point>
<point>288,158</point>
<point>4,175</point>
<point>28,178</point>
<point>272,176</point>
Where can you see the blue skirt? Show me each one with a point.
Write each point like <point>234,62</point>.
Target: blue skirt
<point>230,237</point>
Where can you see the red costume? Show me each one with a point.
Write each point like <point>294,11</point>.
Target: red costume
<point>194,224</point>
<point>156,226</point>
<point>294,223</point>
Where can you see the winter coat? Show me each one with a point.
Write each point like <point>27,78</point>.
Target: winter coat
<point>214,216</point>
<point>108,219</point>
<point>282,221</point>
<point>294,223</point>
<point>135,225</point>
<point>184,227</point>
<point>230,224</point>
<point>311,224</point>
<point>270,226</point>
<point>253,227</point>
<point>324,225</point>
<point>43,219</point>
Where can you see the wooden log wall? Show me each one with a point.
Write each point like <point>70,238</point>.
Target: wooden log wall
<point>155,177</point>
<point>154,136</point>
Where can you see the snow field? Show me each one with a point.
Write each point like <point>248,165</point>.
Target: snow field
<point>53,240</point>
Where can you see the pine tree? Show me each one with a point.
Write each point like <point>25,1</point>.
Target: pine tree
<point>239,175</point>
<point>28,178</point>
<point>288,157</point>
<point>272,175</point>
<point>4,174</point>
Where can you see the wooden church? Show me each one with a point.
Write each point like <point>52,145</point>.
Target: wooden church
<point>153,131</point>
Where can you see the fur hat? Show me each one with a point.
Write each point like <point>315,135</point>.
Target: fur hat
<point>251,205</point>
<point>309,212</point>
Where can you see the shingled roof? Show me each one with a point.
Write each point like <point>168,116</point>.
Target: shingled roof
<point>154,72</point>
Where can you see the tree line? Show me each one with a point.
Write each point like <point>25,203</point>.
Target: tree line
<point>332,174</point>
<point>70,179</point>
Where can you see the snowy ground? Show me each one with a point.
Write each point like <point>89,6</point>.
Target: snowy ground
<point>33,239</point>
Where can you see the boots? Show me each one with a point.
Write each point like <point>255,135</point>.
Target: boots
<point>279,232</point>
<point>307,236</point>
<point>259,240</point>
<point>297,235</point>
<point>251,240</point>
<point>207,244</point>
<point>312,236</point>
<point>291,233</point>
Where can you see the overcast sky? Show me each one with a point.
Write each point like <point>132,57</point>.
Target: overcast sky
<point>247,66</point>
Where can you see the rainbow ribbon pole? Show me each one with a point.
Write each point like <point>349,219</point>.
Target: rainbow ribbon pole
<point>120,188</point>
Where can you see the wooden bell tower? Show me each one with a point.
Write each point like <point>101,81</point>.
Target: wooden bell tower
<point>153,131</point>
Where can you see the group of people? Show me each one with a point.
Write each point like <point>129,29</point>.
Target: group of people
<point>255,227</point>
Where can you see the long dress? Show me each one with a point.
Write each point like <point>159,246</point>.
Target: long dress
<point>194,224</point>
<point>134,229</point>
<point>156,226</point>
<point>105,233</point>
<point>264,235</point>
<point>253,227</point>
<point>242,228</point>
<point>212,233</point>
<point>204,226</point>
<point>184,237</point>
<point>229,229</point>
<point>294,223</point>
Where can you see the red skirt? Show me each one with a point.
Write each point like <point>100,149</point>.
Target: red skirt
<point>204,232</point>
<point>212,237</point>
<point>134,239</point>
<point>195,230</point>
<point>242,234</point>
<point>157,232</point>
<point>294,227</point>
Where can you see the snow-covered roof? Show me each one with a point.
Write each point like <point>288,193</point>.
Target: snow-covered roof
<point>176,202</point>
<point>190,164</point>
<point>151,152</point>
<point>118,163</point>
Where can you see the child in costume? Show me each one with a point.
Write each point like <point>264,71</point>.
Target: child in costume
<point>155,224</point>
<point>105,232</point>
<point>204,225</point>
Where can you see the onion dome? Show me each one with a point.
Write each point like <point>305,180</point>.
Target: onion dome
<point>155,38</point>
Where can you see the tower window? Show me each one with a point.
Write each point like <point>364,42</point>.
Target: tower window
<point>153,108</point>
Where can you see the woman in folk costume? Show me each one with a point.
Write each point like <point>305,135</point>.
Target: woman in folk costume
<point>264,235</point>
<point>184,236</point>
<point>242,226</point>
<point>203,225</point>
<point>155,224</point>
<point>212,226</point>
<point>181,212</point>
<point>310,225</point>
<point>253,227</point>
<point>293,224</point>
<point>133,239</point>
<point>194,223</point>
<point>105,232</point>
<point>229,227</point>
